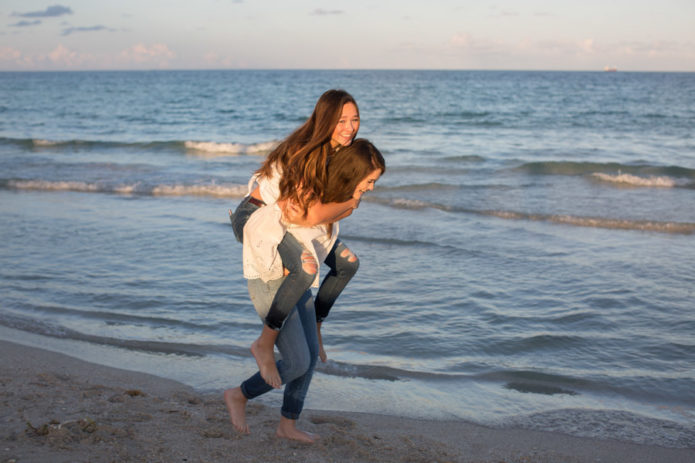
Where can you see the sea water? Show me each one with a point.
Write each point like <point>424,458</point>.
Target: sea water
<point>527,259</point>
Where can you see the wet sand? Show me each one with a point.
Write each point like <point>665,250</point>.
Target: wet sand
<point>54,408</point>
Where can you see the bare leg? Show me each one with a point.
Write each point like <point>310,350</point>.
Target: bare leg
<point>236,406</point>
<point>322,352</point>
<point>287,429</point>
<point>262,350</point>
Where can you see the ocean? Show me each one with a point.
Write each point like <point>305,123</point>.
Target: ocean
<point>527,259</point>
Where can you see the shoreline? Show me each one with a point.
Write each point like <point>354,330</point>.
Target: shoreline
<point>59,408</point>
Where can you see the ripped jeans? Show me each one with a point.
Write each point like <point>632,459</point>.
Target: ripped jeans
<point>342,263</point>
<point>298,345</point>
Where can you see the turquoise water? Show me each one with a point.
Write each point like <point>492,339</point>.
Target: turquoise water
<point>526,260</point>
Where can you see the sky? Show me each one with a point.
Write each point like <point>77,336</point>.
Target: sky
<point>631,35</point>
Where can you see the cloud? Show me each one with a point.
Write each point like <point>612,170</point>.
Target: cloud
<point>63,57</point>
<point>651,48</point>
<point>24,23</point>
<point>461,40</point>
<point>138,56</point>
<point>213,59</point>
<point>61,54</point>
<point>322,12</point>
<point>466,42</point>
<point>157,54</point>
<point>587,46</point>
<point>50,12</point>
<point>72,30</point>
<point>506,14</point>
<point>13,58</point>
<point>9,54</point>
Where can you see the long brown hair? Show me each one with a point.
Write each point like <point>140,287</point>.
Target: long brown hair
<point>348,167</point>
<point>302,156</point>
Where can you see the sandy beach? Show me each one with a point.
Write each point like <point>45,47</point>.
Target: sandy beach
<point>59,409</point>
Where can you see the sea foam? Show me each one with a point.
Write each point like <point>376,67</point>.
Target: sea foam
<point>208,148</point>
<point>636,181</point>
<point>209,190</point>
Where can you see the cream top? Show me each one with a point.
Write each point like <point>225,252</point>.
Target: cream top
<point>265,229</point>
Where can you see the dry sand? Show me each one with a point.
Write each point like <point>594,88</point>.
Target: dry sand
<point>54,408</point>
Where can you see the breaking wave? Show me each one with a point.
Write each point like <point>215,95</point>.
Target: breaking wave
<point>209,190</point>
<point>684,228</point>
<point>636,181</point>
<point>208,148</point>
<point>680,175</point>
<point>204,148</point>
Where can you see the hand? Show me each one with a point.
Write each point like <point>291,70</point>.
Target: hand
<point>292,212</point>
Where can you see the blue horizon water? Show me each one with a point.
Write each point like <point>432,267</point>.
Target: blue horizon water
<point>526,260</point>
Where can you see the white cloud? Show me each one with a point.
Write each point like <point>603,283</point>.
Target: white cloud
<point>157,54</point>
<point>9,54</point>
<point>587,46</point>
<point>586,53</point>
<point>61,54</point>
<point>466,42</point>
<point>64,57</point>
<point>461,40</point>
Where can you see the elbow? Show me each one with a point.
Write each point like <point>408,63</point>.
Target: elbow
<point>311,220</point>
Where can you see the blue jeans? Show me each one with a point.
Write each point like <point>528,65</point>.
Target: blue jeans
<point>342,270</point>
<point>296,283</point>
<point>298,345</point>
<point>241,214</point>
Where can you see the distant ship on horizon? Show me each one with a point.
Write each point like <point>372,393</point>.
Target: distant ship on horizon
<point>610,69</point>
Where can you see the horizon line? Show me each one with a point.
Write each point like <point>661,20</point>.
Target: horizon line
<point>618,71</point>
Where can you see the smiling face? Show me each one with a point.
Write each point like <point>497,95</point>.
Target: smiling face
<point>347,126</point>
<point>367,184</point>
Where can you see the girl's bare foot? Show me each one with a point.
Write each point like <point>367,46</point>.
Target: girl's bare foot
<point>236,406</point>
<point>266,364</point>
<point>287,429</point>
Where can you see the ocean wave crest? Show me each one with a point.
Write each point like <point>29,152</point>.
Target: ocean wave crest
<point>157,347</point>
<point>684,228</point>
<point>432,186</point>
<point>218,191</point>
<point>209,148</point>
<point>209,190</point>
<point>204,148</point>
<point>613,424</point>
<point>46,143</point>
<point>682,174</point>
<point>637,181</point>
